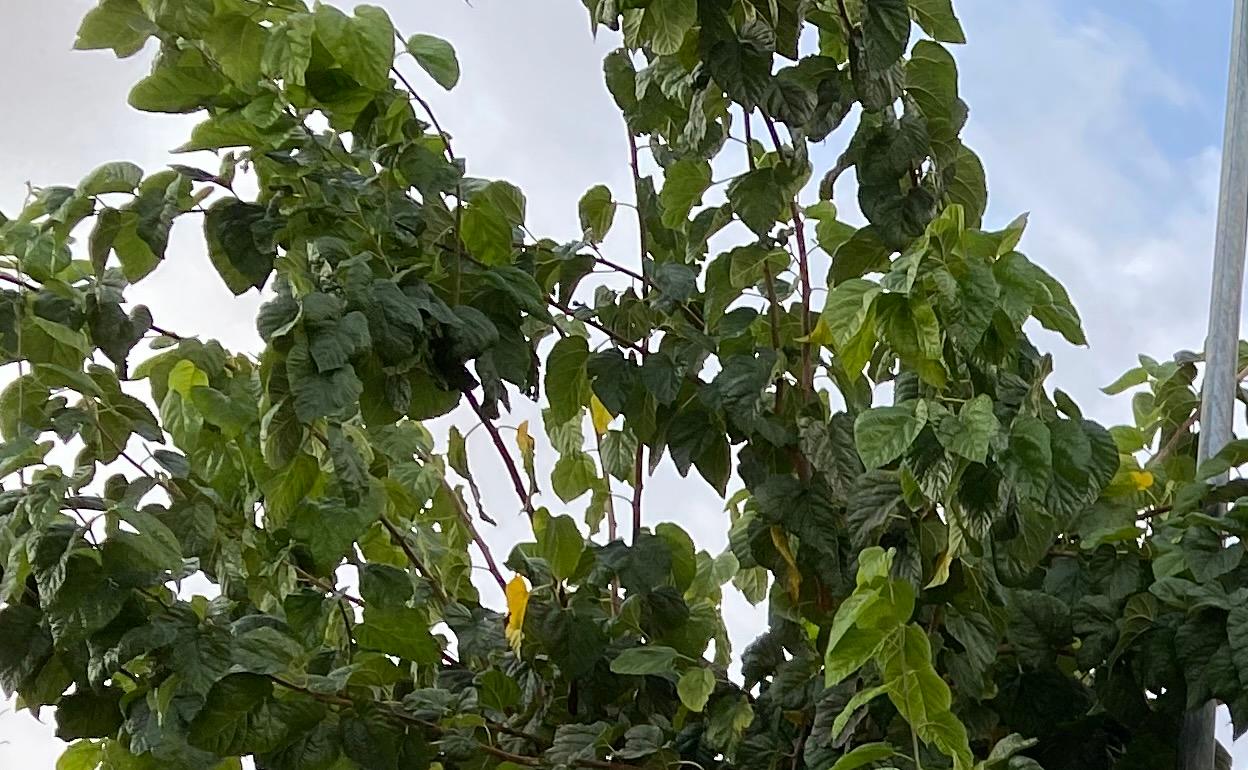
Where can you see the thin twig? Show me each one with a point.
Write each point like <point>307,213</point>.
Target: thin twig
<point>401,540</point>
<point>326,587</point>
<point>482,546</point>
<point>617,339</point>
<point>1182,430</point>
<point>526,499</point>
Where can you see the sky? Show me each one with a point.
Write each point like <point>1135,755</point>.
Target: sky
<point>1101,118</point>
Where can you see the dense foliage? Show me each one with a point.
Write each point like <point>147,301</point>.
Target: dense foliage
<point>960,570</point>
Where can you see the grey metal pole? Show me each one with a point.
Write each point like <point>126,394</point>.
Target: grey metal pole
<point>1196,749</point>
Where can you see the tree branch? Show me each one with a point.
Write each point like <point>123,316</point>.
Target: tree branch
<point>526,499</point>
<point>803,263</point>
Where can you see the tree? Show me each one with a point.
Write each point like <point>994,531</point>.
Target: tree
<point>961,571</point>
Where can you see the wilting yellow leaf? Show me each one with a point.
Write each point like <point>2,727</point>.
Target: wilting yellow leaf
<point>1143,480</point>
<point>517,603</point>
<point>527,445</point>
<point>793,578</point>
<point>602,418</point>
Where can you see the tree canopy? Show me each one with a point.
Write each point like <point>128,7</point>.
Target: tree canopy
<point>960,570</point>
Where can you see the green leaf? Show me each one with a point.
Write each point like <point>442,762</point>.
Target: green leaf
<point>1039,625</point>
<point>576,743</point>
<point>665,24</point>
<point>883,434</point>
<point>560,543</point>
<point>437,57</point>
<point>597,211</point>
<point>969,187</point>
<point>567,383</point>
<point>111,178</point>
<point>932,79</point>
<point>850,653</point>
<point>241,716</point>
<point>742,64</point>
<point>233,230</point>
<point>759,198</point>
<point>748,262</point>
<point>88,714</point>
<point>695,688</point>
<point>80,755</point>
<point>400,631</point>
<point>937,19</point>
<point>155,541</point>
<point>362,45</point>
<point>120,25</point>
<point>847,309</point>
<point>970,433</point>
<point>885,32</point>
<point>684,182</point>
<point>487,232</point>
<point>865,755</point>
<point>1130,379</point>
<point>180,82</point>
<point>859,700</point>
<point>575,474</point>
<point>651,659</point>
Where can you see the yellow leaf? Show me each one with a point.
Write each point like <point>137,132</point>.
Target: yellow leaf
<point>820,335</point>
<point>517,603</point>
<point>523,439</point>
<point>1143,480</point>
<point>527,445</point>
<point>793,578</point>
<point>602,418</point>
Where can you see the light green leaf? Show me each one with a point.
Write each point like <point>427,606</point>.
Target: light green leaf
<point>487,233</point>
<point>695,688</point>
<point>575,474</point>
<point>651,659</point>
<point>970,433</point>
<point>154,539</point>
<point>847,308</point>
<point>597,211</point>
<point>559,542</point>
<point>937,19</point>
<point>883,434</point>
<point>437,57</point>
<point>864,755</point>
<point>859,700</point>
<point>80,755</point>
<point>567,383</point>
<point>666,22</point>
<point>747,263</point>
<point>1130,379</point>
<point>684,182</point>
<point>120,25</point>
<point>362,45</point>
<point>117,177</point>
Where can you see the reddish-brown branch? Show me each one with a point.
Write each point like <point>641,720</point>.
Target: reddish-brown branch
<point>639,459</point>
<point>526,499</point>
<point>803,264</point>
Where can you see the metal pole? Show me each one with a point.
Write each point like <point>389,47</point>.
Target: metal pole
<point>1196,747</point>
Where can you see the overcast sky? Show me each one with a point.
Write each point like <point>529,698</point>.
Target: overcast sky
<point>1102,118</point>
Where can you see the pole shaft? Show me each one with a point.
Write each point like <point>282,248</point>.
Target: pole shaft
<point>1197,745</point>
